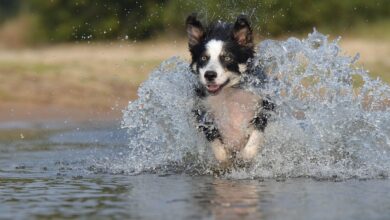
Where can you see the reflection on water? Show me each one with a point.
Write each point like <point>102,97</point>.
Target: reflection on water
<point>233,199</point>
<point>62,197</point>
<point>52,174</point>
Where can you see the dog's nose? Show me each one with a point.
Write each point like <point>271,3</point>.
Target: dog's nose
<point>210,75</point>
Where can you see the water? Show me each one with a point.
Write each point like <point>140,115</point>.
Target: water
<point>52,174</point>
<point>332,120</point>
<point>326,154</point>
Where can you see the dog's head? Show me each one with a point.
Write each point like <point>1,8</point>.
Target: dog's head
<point>220,51</point>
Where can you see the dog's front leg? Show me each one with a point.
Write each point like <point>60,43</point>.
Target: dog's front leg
<point>206,125</point>
<point>219,151</point>
<point>255,141</point>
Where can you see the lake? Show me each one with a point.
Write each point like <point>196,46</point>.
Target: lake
<point>50,171</point>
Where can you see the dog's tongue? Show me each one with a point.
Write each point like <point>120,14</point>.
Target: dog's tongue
<point>212,88</point>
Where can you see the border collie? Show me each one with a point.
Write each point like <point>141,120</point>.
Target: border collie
<point>232,118</point>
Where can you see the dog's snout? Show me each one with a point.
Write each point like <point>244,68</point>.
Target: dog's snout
<point>210,75</point>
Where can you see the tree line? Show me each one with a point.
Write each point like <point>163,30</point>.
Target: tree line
<point>78,20</point>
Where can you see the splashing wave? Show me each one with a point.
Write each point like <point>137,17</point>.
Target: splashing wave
<point>332,119</point>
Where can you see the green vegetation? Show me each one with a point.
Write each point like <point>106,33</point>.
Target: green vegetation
<point>31,68</point>
<point>8,8</point>
<point>85,20</point>
<point>379,30</point>
<point>381,70</point>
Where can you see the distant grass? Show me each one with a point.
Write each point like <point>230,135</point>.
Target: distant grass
<point>6,95</point>
<point>375,70</point>
<point>97,76</point>
<point>372,42</point>
<point>29,68</point>
<point>380,70</point>
<point>143,66</point>
<point>106,75</point>
<point>379,30</point>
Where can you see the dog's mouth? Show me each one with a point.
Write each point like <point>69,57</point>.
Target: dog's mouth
<point>214,88</point>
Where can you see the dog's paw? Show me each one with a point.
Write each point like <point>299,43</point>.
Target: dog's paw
<point>219,151</point>
<point>250,150</point>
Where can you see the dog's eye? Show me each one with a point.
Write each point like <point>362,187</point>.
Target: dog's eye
<point>203,58</point>
<point>227,59</point>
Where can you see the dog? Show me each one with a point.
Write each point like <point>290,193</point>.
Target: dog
<point>232,118</point>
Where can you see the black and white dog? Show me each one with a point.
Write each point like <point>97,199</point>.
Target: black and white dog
<point>232,118</point>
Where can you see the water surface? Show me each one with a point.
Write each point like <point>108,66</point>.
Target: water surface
<point>55,171</point>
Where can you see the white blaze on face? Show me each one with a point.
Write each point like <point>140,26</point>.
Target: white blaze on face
<point>214,49</point>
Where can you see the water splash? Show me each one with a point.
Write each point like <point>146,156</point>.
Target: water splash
<point>332,119</point>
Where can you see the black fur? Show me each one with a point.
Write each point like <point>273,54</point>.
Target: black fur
<point>206,124</point>
<point>263,114</point>
<point>239,53</point>
<point>238,45</point>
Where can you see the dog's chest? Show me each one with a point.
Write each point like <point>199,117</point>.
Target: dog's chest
<point>233,110</point>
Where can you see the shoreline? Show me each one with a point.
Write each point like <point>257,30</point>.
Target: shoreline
<point>36,113</point>
<point>80,82</point>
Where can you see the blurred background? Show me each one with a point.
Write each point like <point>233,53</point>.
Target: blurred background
<point>85,59</point>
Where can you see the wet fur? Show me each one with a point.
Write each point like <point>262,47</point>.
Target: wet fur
<point>232,119</point>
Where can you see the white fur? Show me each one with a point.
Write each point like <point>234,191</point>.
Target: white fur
<point>233,109</point>
<point>219,151</point>
<point>256,140</point>
<point>214,49</point>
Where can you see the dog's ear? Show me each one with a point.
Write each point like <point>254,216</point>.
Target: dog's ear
<point>242,31</point>
<point>195,30</point>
